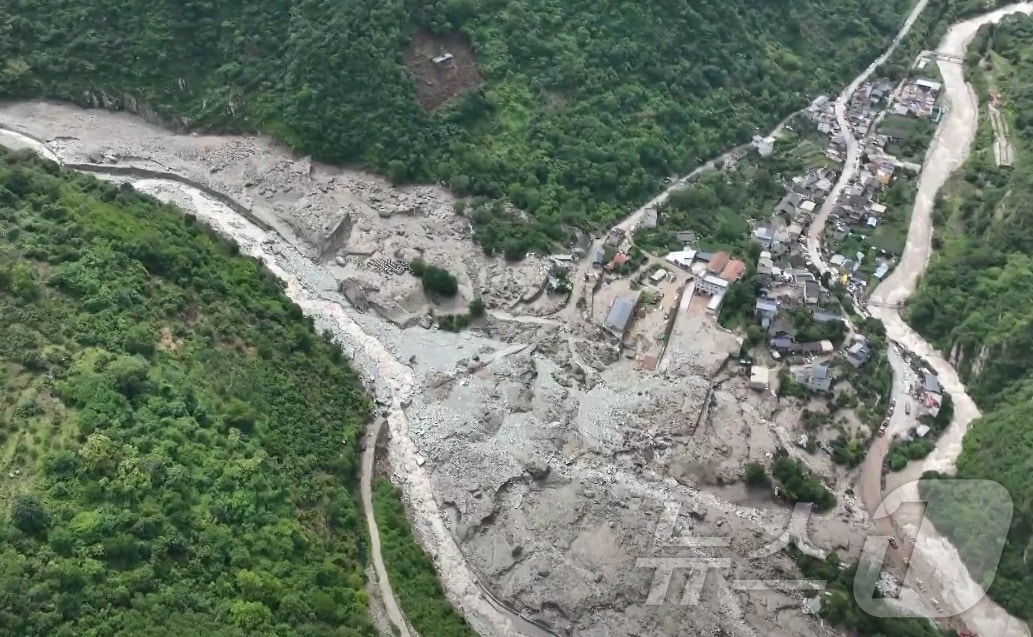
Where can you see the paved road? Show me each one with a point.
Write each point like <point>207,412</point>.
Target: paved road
<point>629,223</point>
<point>853,149</point>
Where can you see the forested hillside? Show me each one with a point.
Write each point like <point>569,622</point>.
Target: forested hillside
<point>178,446</point>
<point>584,110</point>
<point>976,301</point>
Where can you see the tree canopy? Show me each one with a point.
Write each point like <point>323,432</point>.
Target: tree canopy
<point>178,444</point>
<point>583,113</point>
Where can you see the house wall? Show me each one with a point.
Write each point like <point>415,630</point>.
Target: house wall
<point>705,287</point>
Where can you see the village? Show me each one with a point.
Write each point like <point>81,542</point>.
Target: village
<point>802,336</point>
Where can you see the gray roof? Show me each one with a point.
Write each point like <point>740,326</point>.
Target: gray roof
<point>766,305</point>
<point>931,384</point>
<point>825,317</point>
<point>705,256</point>
<point>789,203</point>
<point>620,314</point>
<point>781,343</point>
<point>812,289</point>
<point>819,371</point>
<point>783,326</point>
<point>859,349</point>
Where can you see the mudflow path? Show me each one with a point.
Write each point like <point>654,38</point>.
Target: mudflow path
<point>948,152</point>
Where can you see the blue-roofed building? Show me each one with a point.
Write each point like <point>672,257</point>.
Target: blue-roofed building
<point>858,354</point>
<point>825,317</point>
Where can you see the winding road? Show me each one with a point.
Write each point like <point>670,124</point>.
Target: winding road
<point>629,223</point>
<point>852,162</point>
<point>948,152</point>
<point>485,612</point>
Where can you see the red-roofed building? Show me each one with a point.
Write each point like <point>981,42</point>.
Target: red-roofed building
<point>618,259</point>
<point>733,271</point>
<point>718,262</point>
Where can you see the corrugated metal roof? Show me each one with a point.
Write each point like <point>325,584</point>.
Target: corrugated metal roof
<point>620,314</point>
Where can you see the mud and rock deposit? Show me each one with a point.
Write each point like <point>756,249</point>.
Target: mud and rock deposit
<point>536,461</point>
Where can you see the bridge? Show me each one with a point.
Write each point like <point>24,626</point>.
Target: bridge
<point>897,305</point>
<point>946,57</point>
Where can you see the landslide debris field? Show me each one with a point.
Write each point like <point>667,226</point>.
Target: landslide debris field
<point>551,454</point>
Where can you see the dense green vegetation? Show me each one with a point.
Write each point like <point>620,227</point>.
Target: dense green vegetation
<point>582,115</point>
<point>436,281</point>
<point>178,444</point>
<point>975,301</point>
<point>756,476</point>
<point>797,484</point>
<point>721,205</point>
<point>411,571</point>
<point>904,451</point>
<point>911,136</point>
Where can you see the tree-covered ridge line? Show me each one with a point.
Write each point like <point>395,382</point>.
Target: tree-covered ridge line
<point>974,302</point>
<point>183,443</point>
<point>583,114</point>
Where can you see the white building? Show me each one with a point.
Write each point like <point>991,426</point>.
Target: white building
<point>682,258</point>
<point>712,285</point>
<point>760,378</point>
<point>715,304</point>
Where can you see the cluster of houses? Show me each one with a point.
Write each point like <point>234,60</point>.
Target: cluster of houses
<point>715,272</point>
<point>858,212</point>
<point>618,242</point>
<point>918,99</point>
<point>817,375</point>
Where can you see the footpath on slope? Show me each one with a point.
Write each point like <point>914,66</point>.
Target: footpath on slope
<point>629,223</point>
<point>949,150</point>
<point>369,455</point>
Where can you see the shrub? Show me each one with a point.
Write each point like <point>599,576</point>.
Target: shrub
<point>756,476</point>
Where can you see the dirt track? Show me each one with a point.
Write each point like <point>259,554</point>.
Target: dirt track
<point>394,613</point>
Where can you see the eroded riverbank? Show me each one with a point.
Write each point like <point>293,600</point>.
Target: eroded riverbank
<point>949,150</point>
